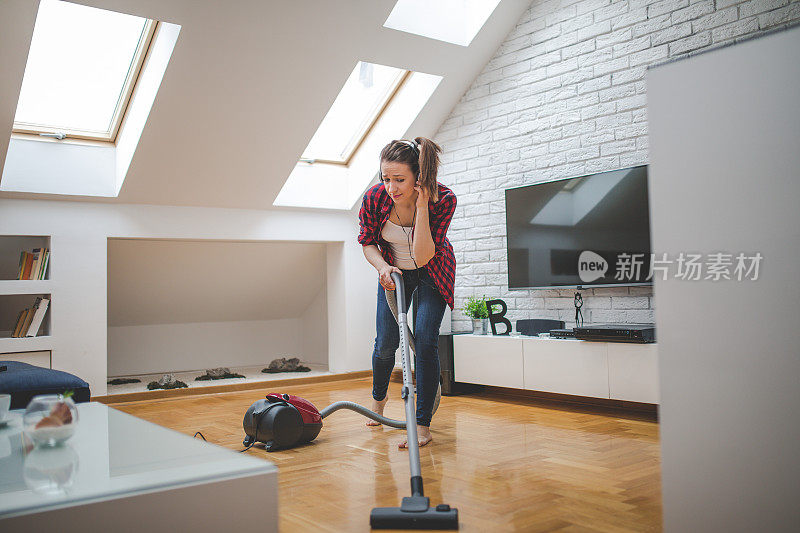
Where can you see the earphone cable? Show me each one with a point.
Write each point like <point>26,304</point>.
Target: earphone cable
<point>578,302</point>
<point>411,246</point>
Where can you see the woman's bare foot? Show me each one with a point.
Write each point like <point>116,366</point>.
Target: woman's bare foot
<point>377,406</point>
<point>423,437</point>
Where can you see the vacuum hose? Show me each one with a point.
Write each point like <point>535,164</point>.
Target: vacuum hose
<point>364,411</point>
<point>360,409</point>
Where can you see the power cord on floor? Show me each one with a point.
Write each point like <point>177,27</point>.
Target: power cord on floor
<point>240,451</point>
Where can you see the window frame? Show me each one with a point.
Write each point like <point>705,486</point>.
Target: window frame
<point>370,124</point>
<point>123,101</point>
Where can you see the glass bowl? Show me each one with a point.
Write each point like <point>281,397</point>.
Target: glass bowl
<point>50,419</point>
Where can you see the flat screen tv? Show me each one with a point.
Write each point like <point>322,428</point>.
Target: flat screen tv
<point>588,231</point>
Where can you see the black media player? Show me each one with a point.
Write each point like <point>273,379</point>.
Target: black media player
<point>641,333</point>
<point>562,333</point>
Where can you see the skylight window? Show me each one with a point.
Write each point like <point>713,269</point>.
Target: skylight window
<point>82,66</point>
<point>341,186</point>
<point>359,104</point>
<point>452,21</point>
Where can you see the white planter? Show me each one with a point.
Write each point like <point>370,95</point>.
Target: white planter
<point>480,326</point>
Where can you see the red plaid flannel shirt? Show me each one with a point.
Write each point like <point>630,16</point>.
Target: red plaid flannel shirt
<point>375,209</point>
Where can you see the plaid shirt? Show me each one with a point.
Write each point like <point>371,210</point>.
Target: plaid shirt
<point>375,209</point>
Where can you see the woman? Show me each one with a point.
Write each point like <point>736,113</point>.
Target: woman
<point>404,221</point>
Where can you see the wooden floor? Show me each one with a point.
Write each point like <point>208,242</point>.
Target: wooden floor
<point>507,465</point>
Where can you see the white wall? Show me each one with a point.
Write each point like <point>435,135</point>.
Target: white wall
<point>724,129</point>
<point>161,348</point>
<point>176,282</point>
<point>80,232</point>
<point>565,96</point>
<point>351,327</point>
<point>314,330</point>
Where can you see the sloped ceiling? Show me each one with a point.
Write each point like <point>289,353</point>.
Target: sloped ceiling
<point>248,84</point>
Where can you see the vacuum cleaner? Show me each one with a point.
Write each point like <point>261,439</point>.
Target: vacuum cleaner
<point>282,421</point>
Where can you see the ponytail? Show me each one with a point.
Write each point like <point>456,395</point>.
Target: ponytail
<point>429,166</point>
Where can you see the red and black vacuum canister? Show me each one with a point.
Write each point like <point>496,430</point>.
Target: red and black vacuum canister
<point>281,421</point>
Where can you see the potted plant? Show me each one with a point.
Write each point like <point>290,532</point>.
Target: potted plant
<point>475,308</point>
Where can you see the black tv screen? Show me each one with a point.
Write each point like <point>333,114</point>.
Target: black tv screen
<point>586,231</point>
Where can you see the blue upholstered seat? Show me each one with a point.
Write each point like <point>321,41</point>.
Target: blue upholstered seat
<point>23,381</point>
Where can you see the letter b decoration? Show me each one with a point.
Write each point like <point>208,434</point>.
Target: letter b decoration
<point>498,318</point>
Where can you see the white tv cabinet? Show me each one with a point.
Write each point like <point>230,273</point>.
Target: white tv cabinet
<point>610,370</point>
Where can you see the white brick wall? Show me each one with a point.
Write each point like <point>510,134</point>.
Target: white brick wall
<point>564,96</point>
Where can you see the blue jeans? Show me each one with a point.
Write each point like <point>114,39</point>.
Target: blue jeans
<point>430,310</point>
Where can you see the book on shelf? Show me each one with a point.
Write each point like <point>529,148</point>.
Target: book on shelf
<point>33,265</point>
<point>20,320</point>
<point>26,265</point>
<point>43,270</point>
<point>37,262</point>
<point>29,321</point>
<point>40,308</point>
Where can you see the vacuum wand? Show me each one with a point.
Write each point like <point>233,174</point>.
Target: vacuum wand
<point>408,390</point>
<point>415,511</point>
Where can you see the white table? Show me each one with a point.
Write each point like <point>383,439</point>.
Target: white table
<point>119,473</point>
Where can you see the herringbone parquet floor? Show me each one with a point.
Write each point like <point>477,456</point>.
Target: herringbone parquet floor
<point>507,465</point>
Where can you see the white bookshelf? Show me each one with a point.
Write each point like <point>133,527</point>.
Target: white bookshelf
<point>16,295</point>
<point>26,344</point>
<point>12,287</point>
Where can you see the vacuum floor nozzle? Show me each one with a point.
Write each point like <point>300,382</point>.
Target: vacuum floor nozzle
<point>414,516</point>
